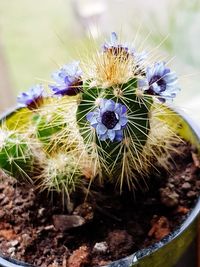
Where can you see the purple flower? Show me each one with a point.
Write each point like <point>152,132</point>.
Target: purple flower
<point>114,47</point>
<point>32,98</point>
<point>67,80</point>
<point>124,51</point>
<point>160,81</point>
<point>109,120</point>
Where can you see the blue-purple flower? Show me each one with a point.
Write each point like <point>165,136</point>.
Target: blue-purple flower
<point>124,51</point>
<point>114,47</point>
<point>68,80</point>
<point>160,81</point>
<point>32,98</point>
<point>109,120</point>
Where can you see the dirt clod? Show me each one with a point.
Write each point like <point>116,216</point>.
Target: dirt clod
<point>8,234</point>
<point>160,227</point>
<point>182,210</point>
<point>85,210</point>
<point>169,197</point>
<point>79,258</point>
<point>120,242</point>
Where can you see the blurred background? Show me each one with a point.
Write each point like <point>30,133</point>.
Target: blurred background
<point>38,36</point>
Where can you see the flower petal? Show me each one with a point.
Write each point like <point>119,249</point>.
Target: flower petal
<point>110,117</point>
<point>161,82</point>
<point>123,121</point>
<point>101,129</point>
<point>32,97</point>
<point>118,135</point>
<point>111,134</point>
<point>68,79</point>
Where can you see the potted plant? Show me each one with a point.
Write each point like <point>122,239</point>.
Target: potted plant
<point>119,165</point>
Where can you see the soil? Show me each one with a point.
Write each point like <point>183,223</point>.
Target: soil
<point>34,228</point>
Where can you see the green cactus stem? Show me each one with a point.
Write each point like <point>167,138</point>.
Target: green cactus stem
<point>61,174</point>
<point>136,130</point>
<point>16,155</point>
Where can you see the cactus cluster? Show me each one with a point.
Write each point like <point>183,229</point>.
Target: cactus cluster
<point>104,122</point>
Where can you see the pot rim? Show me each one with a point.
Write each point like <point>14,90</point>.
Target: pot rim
<point>135,257</point>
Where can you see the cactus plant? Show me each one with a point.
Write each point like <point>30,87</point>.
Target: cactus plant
<point>17,155</point>
<point>62,175</point>
<point>105,121</point>
<point>116,107</point>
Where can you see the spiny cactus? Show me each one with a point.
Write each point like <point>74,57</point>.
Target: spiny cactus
<point>47,124</point>
<point>115,112</point>
<point>105,119</point>
<point>60,174</point>
<point>16,155</point>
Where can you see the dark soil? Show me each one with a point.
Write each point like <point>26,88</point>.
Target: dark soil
<point>36,230</point>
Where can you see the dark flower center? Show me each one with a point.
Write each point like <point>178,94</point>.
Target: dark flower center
<point>35,103</point>
<point>109,119</point>
<point>119,51</point>
<point>72,88</point>
<point>160,82</point>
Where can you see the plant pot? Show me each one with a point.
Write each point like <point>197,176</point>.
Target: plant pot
<point>168,252</point>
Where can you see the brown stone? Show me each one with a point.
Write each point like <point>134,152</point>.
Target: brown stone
<point>65,222</point>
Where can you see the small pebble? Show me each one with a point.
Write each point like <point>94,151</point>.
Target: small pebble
<point>26,239</point>
<point>49,227</point>
<point>46,251</point>
<point>84,210</point>
<point>65,222</point>
<point>2,196</point>
<point>41,212</point>
<point>11,250</point>
<point>14,243</point>
<point>170,185</point>
<point>2,214</point>
<point>196,160</point>
<point>175,180</point>
<point>191,194</point>
<point>101,247</point>
<point>198,185</point>
<point>168,197</point>
<point>5,201</point>
<point>188,178</point>
<point>186,186</point>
